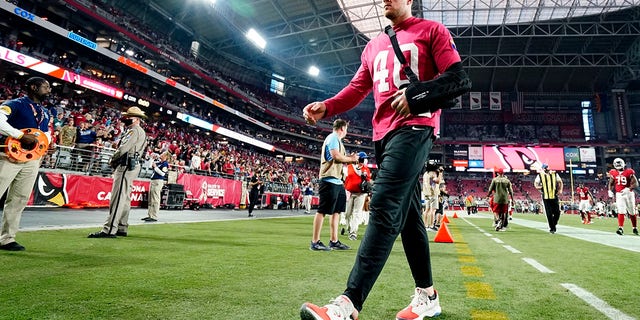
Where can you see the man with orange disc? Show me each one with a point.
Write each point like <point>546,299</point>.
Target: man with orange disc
<point>18,174</point>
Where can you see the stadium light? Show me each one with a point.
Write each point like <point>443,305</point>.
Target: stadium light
<point>256,38</point>
<point>314,71</point>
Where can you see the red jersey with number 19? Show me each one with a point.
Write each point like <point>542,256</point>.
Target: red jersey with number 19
<point>583,193</point>
<point>428,49</point>
<point>622,178</point>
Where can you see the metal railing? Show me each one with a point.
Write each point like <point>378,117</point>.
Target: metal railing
<point>89,160</point>
<point>93,160</point>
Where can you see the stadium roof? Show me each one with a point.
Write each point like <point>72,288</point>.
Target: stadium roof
<point>528,45</point>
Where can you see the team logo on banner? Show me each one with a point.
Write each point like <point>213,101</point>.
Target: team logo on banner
<point>495,101</point>
<point>523,158</point>
<point>475,100</point>
<point>50,189</point>
<point>458,101</point>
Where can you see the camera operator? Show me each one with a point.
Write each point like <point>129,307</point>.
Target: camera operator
<point>126,165</point>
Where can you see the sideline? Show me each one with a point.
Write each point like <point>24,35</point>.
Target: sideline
<point>627,242</point>
<point>64,218</point>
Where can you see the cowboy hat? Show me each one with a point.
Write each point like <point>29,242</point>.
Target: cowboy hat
<point>134,112</point>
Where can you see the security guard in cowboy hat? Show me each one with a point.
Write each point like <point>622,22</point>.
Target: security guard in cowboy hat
<point>126,164</point>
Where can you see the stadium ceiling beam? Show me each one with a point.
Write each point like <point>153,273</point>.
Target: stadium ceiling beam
<point>324,46</point>
<point>311,23</point>
<point>540,28</point>
<point>546,29</point>
<point>608,60</point>
<point>631,71</point>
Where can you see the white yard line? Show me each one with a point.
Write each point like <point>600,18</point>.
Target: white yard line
<point>627,242</point>
<point>512,249</point>
<point>597,303</point>
<point>537,265</point>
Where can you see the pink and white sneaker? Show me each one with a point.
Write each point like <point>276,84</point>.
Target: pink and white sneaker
<point>339,309</point>
<point>421,307</point>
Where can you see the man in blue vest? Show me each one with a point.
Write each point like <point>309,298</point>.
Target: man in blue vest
<point>19,176</point>
<point>160,169</point>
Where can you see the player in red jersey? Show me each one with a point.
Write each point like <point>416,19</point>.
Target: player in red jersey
<point>586,199</point>
<point>623,180</point>
<point>406,120</point>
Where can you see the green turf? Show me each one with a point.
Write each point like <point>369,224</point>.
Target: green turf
<point>263,269</point>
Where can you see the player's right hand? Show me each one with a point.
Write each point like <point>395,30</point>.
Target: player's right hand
<point>28,141</point>
<point>610,194</point>
<point>313,112</point>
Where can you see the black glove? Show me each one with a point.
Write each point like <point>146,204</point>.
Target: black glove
<point>28,141</point>
<point>448,104</point>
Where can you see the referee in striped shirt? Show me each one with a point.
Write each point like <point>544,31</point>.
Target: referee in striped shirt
<point>550,184</point>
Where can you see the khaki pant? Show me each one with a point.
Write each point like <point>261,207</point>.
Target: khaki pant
<point>155,188</point>
<point>19,179</point>
<point>306,203</point>
<point>120,203</point>
<point>353,214</point>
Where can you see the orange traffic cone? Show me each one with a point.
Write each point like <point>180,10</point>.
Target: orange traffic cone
<point>443,234</point>
<point>445,219</point>
<point>455,215</point>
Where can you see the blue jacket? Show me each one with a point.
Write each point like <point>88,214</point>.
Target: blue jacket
<point>164,167</point>
<point>22,114</point>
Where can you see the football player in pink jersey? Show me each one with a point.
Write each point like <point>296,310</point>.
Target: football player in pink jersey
<point>623,180</point>
<point>413,70</point>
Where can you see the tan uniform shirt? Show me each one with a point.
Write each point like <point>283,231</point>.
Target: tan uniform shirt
<point>132,141</point>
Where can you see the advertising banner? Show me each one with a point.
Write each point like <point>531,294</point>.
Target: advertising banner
<point>523,158</point>
<point>95,192</point>
<point>461,163</point>
<point>476,164</point>
<point>76,190</point>
<point>571,154</point>
<point>475,153</point>
<point>212,190</point>
<point>460,152</point>
<point>588,154</point>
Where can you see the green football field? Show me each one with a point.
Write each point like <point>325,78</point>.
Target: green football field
<point>263,269</point>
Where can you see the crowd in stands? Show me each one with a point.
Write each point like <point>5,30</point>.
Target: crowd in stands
<point>284,127</point>
<point>503,132</point>
<point>359,121</point>
<point>99,128</point>
<point>198,152</point>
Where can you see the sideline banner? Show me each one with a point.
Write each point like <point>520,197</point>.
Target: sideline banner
<point>211,190</point>
<point>95,192</point>
<point>76,190</point>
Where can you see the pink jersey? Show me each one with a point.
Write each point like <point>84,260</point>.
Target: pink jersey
<point>428,49</point>
<point>622,179</point>
<point>583,193</point>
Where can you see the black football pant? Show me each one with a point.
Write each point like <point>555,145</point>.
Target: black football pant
<point>395,209</point>
<point>552,210</point>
